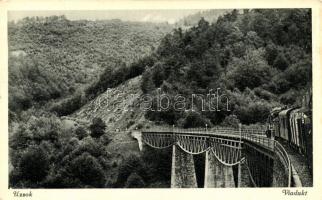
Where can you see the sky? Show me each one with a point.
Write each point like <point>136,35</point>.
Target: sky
<point>170,16</point>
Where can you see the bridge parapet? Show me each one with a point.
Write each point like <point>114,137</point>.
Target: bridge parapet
<point>284,158</point>
<point>252,135</point>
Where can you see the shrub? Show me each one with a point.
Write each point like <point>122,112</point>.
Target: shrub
<point>114,164</point>
<point>299,74</point>
<point>251,72</point>
<point>134,181</point>
<point>231,121</point>
<point>105,139</point>
<point>254,112</point>
<point>131,164</point>
<point>88,170</point>
<point>80,132</point>
<point>90,146</point>
<point>34,164</point>
<point>21,138</point>
<point>281,62</point>
<point>97,127</point>
<point>289,97</point>
<point>139,126</point>
<point>194,119</point>
<point>264,94</point>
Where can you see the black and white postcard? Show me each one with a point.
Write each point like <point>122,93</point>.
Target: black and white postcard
<point>100,99</point>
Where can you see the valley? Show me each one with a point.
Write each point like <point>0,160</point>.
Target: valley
<point>76,88</point>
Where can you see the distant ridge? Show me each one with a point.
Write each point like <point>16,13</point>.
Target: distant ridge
<point>209,15</point>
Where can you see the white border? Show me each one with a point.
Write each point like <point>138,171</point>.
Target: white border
<point>158,194</point>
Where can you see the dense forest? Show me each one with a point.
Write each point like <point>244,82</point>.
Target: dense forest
<point>260,59</point>
<point>55,65</point>
<point>52,57</point>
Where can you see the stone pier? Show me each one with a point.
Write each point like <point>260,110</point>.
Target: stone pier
<point>217,175</point>
<point>183,173</point>
<point>245,180</point>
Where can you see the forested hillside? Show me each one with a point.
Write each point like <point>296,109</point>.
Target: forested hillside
<point>259,59</point>
<point>52,57</point>
<point>55,66</point>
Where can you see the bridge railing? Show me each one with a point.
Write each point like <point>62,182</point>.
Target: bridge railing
<point>284,158</point>
<point>217,130</point>
<point>204,130</point>
<point>259,138</point>
<point>254,135</point>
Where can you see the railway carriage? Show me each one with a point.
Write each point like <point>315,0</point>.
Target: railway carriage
<point>285,126</point>
<point>294,125</point>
